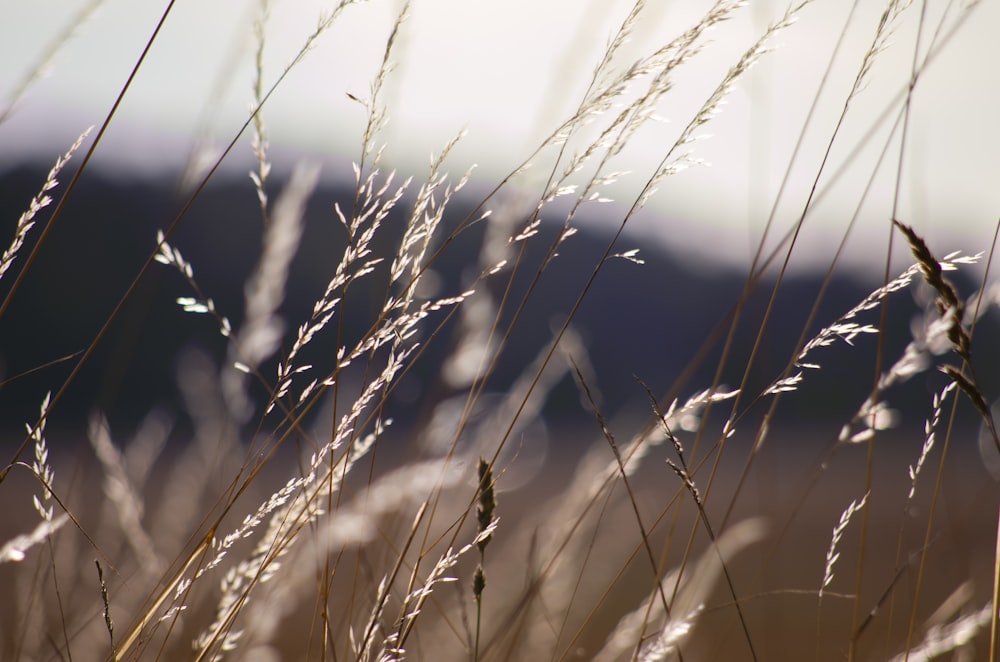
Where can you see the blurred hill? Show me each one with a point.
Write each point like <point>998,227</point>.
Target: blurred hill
<point>646,322</point>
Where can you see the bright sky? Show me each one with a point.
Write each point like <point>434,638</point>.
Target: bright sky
<point>509,72</point>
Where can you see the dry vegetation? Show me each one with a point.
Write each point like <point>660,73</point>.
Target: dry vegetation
<point>311,527</point>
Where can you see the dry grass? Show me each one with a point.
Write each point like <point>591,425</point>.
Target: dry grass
<point>305,524</point>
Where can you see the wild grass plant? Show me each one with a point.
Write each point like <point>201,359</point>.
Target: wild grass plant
<point>298,521</point>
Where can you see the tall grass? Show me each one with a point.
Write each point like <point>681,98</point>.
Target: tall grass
<point>297,520</point>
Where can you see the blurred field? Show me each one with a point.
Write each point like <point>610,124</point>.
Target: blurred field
<point>777,580</point>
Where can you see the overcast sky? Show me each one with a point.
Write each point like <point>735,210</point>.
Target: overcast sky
<point>510,71</point>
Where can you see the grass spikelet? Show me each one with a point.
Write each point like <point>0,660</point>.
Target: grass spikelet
<point>883,34</point>
<point>485,519</point>
<point>393,647</point>
<point>107,607</point>
<point>838,532</point>
<point>39,202</point>
<point>929,427</point>
<point>683,472</point>
<point>199,304</point>
<point>259,140</point>
<point>949,305</point>
<point>832,555</point>
<point>915,358</point>
<point>487,501</point>
<point>952,310</point>
<point>41,467</point>
<point>672,164</point>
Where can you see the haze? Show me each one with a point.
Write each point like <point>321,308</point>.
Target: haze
<point>509,72</point>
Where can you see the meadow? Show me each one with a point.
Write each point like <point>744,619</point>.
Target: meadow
<point>391,427</point>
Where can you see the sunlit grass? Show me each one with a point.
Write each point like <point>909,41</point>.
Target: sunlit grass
<point>296,519</point>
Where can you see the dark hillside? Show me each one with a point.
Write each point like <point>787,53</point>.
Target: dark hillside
<point>638,321</point>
